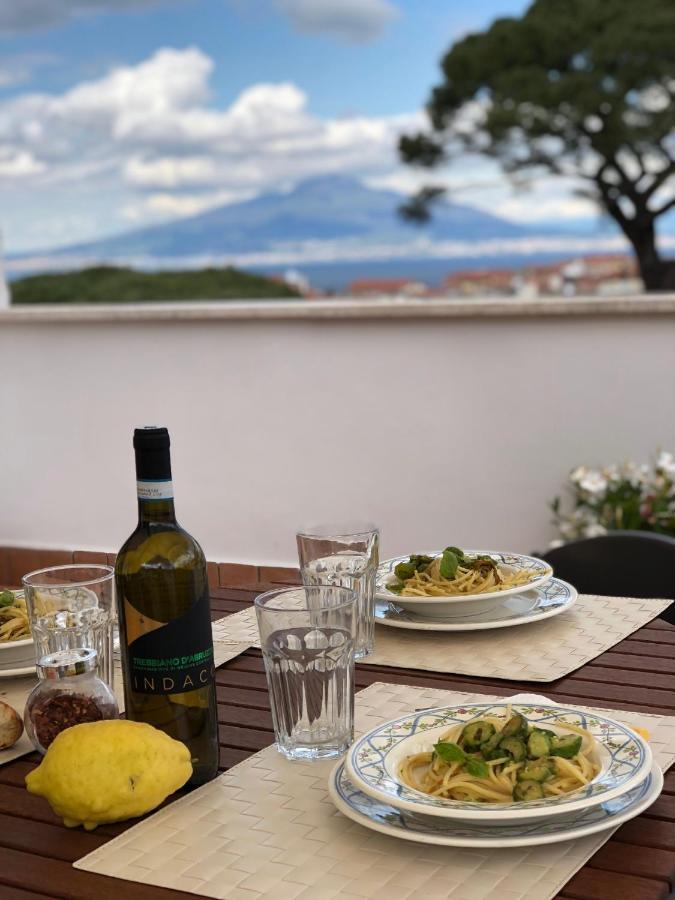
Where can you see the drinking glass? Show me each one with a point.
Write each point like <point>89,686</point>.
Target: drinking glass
<point>307,640</point>
<point>345,556</point>
<point>73,607</point>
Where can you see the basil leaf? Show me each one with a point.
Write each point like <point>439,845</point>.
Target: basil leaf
<point>449,752</point>
<point>395,587</point>
<point>477,767</point>
<point>458,553</point>
<point>449,565</point>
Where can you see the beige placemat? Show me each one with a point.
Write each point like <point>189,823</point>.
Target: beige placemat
<point>267,829</point>
<point>539,651</point>
<point>16,690</point>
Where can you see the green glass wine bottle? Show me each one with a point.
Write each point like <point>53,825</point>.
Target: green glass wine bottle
<point>165,622</point>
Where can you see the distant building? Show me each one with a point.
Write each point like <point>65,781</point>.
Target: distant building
<point>598,274</point>
<point>595,274</point>
<point>376,287</point>
<point>483,282</point>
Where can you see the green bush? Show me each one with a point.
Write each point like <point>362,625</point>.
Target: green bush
<point>112,284</point>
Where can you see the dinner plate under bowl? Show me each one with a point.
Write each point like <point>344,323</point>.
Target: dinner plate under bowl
<point>19,672</point>
<point>17,654</point>
<point>462,604</point>
<point>551,600</point>
<point>382,817</point>
<point>373,762</point>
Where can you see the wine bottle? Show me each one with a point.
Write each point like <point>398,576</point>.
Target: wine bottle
<point>165,622</point>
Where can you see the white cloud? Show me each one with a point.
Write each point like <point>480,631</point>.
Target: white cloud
<point>175,206</point>
<point>145,143</point>
<point>356,21</point>
<point>18,163</point>
<point>27,15</point>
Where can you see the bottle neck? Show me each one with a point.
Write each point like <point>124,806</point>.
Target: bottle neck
<point>156,511</point>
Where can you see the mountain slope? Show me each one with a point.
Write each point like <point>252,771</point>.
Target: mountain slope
<point>331,208</point>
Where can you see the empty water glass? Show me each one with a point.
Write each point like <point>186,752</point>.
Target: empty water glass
<point>344,555</point>
<point>72,607</point>
<point>307,640</point>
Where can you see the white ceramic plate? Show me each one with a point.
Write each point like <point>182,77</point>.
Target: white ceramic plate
<point>464,603</point>
<point>386,819</point>
<point>18,673</point>
<point>373,762</point>
<point>541,603</point>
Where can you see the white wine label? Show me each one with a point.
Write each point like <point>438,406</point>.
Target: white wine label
<point>154,490</point>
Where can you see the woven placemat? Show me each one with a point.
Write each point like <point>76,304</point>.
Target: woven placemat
<point>15,691</point>
<point>267,829</point>
<point>541,651</point>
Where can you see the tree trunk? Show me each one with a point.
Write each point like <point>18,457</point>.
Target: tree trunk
<point>656,273</point>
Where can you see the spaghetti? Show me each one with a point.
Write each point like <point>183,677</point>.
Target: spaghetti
<point>491,760</point>
<point>14,624</point>
<point>454,573</point>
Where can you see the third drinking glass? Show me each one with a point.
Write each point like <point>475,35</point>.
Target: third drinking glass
<point>344,555</point>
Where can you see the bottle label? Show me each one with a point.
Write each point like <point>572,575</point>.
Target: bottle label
<point>176,657</point>
<point>154,490</point>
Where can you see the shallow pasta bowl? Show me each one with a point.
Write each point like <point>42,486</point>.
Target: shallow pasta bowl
<point>17,654</point>
<point>462,604</point>
<point>373,762</point>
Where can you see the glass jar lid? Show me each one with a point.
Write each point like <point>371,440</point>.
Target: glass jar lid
<point>64,663</point>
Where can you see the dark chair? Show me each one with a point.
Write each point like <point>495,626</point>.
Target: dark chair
<point>620,564</point>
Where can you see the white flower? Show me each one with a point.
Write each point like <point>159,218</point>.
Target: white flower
<point>612,473</point>
<point>594,530</point>
<point>578,474</point>
<point>555,544</point>
<point>594,483</point>
<point>666,463</point>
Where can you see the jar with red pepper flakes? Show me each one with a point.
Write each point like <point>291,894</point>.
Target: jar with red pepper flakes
<point>69,692</point>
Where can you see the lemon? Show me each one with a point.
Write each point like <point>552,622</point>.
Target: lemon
<point>109,771</point>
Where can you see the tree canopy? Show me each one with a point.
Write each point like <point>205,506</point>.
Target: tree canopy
<point>578,88</point>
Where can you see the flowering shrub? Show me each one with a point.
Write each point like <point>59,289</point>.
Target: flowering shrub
<point>641,498</point>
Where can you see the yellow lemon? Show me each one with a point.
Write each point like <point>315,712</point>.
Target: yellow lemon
<point>109,771</point>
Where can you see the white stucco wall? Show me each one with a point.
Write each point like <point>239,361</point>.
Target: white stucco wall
<point>444,430</point>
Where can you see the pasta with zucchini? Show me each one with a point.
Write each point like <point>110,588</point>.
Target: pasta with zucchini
<point>491,760</point>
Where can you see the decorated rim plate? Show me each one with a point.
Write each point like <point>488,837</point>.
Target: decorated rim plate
<point>531,606</point>
<point>458,604</point>
<point>382,817</point>
<point>373,761</point>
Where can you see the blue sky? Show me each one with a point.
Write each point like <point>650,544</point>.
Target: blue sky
<point>120,113</point>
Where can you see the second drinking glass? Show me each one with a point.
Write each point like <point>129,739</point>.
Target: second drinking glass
<point>344,555</point>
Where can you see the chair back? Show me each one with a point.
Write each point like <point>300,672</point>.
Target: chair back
<point>620,564</point>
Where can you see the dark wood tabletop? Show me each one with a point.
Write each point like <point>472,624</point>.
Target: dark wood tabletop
<point>638,862</point>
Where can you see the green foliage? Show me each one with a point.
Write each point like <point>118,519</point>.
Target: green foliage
<point>111,284</point>
<point>637,498</point>
<point>582,88</point>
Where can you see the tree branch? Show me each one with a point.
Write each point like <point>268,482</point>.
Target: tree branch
<point>666,206</point>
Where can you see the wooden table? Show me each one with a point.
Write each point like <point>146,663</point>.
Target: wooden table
<point>637,863</point>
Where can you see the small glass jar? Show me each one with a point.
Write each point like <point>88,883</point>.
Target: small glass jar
<point>69,692</point>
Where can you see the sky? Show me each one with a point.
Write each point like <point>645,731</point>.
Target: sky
<point>116,114</point>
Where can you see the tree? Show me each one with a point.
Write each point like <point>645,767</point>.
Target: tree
<point>580,88</point>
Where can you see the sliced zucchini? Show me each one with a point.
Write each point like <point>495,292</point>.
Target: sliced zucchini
<point>490,745</point>
<point>566,745</point>
<point>514,747</point>
<point>538,745</point>
<point>547,731</point>
<point>475,734</point>
<point>515,727</point>
<point>539,771</point>
<point>528,790</point>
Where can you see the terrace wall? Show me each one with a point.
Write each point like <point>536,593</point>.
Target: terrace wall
<point>446,422</point>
